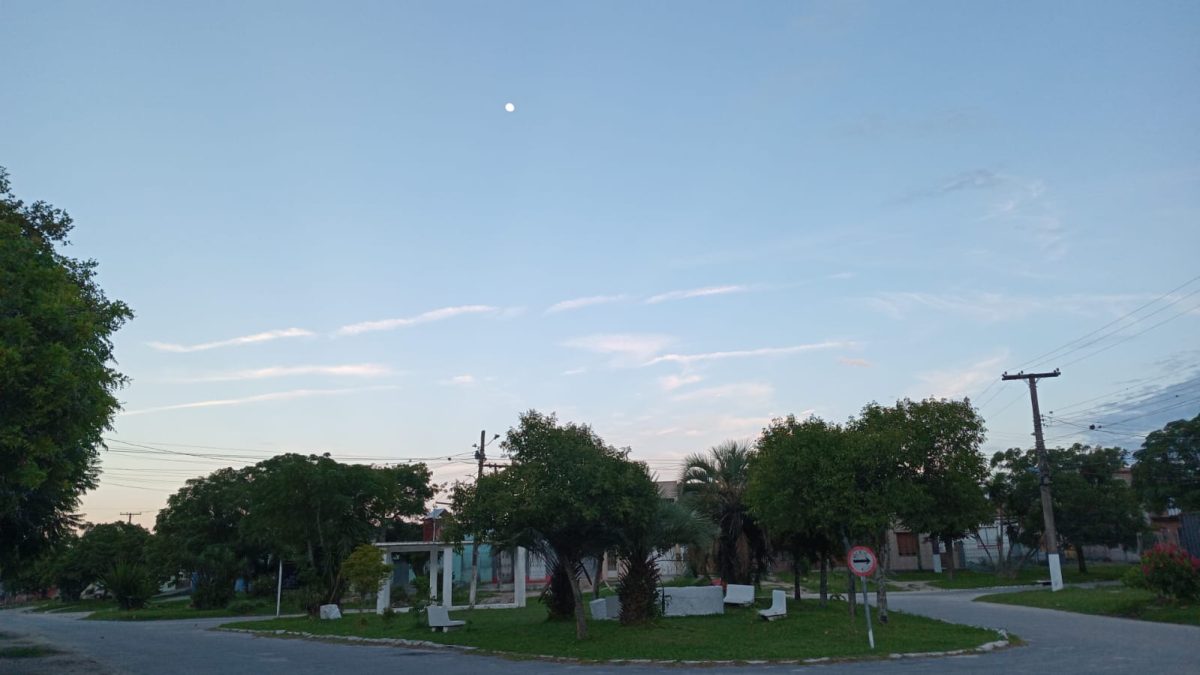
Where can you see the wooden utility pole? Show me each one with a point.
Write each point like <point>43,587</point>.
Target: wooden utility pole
<point>131,515</point>
<point>481,458</point>
<point>1051,533</point>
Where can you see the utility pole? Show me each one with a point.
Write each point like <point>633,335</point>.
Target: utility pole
<point>481,457</point>
<point>1051,533</point>
<point>131,515</point>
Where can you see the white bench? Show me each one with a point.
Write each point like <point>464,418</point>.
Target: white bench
<point>737,594</point>
<point>606,609</point>
<point>439,619</point>
<point>778,608</point>
<point>693,601</point>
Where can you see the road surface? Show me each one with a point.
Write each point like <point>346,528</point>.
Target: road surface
<point>1056,642</point>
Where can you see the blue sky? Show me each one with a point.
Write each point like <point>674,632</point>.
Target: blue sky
<point>698,217</point>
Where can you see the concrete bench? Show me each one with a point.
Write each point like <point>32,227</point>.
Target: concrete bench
<point>778,608</point>
<point>605,609</point>
<point>738,594</point>
<point>693,601</point>
<point>439,619</point>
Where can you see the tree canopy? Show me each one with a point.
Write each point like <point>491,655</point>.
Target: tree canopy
<point>566,495</point>
<point>715,484</point>
<point>56,375</point>
<point>1167,472</point>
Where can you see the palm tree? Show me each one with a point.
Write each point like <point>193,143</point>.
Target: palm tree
<point>715,485</point>
<point>638,587</point>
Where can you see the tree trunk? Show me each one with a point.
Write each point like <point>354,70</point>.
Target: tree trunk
<point>950,550</point>
<point>796,576</point>
<point>1079,557</point>
<point>474,570</point>
<point>824,580</point>
<point>881,574</point>
<point>581,630</point>
<point>601,566</point>
<point>850,601</point>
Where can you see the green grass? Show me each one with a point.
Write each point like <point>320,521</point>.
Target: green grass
<point>1130,603</point>
<point>26,652</point>
<point>58,606</point>
<point>176,609</point>
<point>807,632</point>
<point>1030,574</point>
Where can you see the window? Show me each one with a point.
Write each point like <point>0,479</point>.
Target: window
<point>906,544</point>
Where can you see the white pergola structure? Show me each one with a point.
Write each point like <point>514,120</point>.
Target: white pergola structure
<point>433,548</point>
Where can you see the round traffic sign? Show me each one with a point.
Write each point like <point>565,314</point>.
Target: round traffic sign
<point>862,561</point>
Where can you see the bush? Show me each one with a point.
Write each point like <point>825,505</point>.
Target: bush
<point>216,574</point>
<point>131,584</point>
<point>1171,572</point>
<point>263,586</point>
<point>1133,578</point>
<point>244,607</point>
<point>638,590</point>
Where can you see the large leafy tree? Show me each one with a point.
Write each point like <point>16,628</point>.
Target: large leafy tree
<point>200,532</point>
<point>715,484</point>
<point>566,495</point>
<point>1167,472</point>
<point>1091,504</point>
<point>118,555</point>
<point>316,509</point>
<point>940,451</point>
<point>793,490</point>
<point>57,382</point>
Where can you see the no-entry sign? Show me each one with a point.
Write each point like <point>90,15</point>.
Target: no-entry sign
<point>862,561</point>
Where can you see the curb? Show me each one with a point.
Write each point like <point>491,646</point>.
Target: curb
<point>986,647</point>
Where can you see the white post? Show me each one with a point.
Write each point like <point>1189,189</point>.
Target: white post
<point>519,577</point>
<point>433,574</point>
<point>1056,582</point>
<point>383,599</point>
<point>447,577</point>
<point>279,588</point>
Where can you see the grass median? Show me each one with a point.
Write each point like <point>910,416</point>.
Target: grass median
<point>1030,574</point>
<point>808,632</point>
<point>1128,603</point>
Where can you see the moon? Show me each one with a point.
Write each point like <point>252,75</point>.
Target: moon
<point>510,107</point>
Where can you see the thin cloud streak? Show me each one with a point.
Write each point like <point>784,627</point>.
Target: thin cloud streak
<point>425,317</point>
<point>256,338</point>
<point>738,390</point>
<point>348,370</point>
<point>588,301</point>
<point>625,348</point>
<point>695,293</point>
<point>687,359</point>
<point>273,396</point>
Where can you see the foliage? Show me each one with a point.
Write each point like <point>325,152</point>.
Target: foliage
<point>1167,472</point>
<point>131,584</point>
<point>1091,505</point>
<point>311,509</point>
<point>715,484</point>
<point>1133,578</point>
<point>566,495</point>
<point>366,571</point>
<point>108,553</point>
<point>637,587</point>
<point>559,596</point>
<point>199,533</point>
<point>56,326</point>
<point>1171,572</point>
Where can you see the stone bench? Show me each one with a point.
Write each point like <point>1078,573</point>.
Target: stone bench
<point>694,601</point>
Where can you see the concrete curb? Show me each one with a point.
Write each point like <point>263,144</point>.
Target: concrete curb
<point>426,644</point>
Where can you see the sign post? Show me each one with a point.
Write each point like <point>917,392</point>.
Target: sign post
<point>862,562</point>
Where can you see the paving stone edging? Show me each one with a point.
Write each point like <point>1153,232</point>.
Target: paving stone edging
<point>402,642</point>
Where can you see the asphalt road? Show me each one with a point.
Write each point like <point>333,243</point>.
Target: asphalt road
<point>1057,641</point>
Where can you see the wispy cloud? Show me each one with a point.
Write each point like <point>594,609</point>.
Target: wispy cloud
<point>1003,307</point>
<point>461,380</point>
<point>575,371</point>
<point>426,317</point>
<point>971,180</point>
<point>577,303</point>
<point>626,348</point>
<point>687,359</point>
<point>857,363</point>
<point>274,396</point>
<point>959,382</point>
<point>673,382</point>
<point>348,370</point>
<point>738,390</point>
<point>256,338</point>
<point>695,293</point>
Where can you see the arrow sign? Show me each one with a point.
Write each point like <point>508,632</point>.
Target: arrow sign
<point>862,561</point>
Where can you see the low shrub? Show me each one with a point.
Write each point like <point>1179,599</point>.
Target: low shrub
<point>1133,578</point>
<point>244,607</point>
<point>131,584</point>
<point>1171,572</point>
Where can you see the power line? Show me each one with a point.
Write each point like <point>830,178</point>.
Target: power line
<point>1130,337</point>
<point>1040,358</point>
